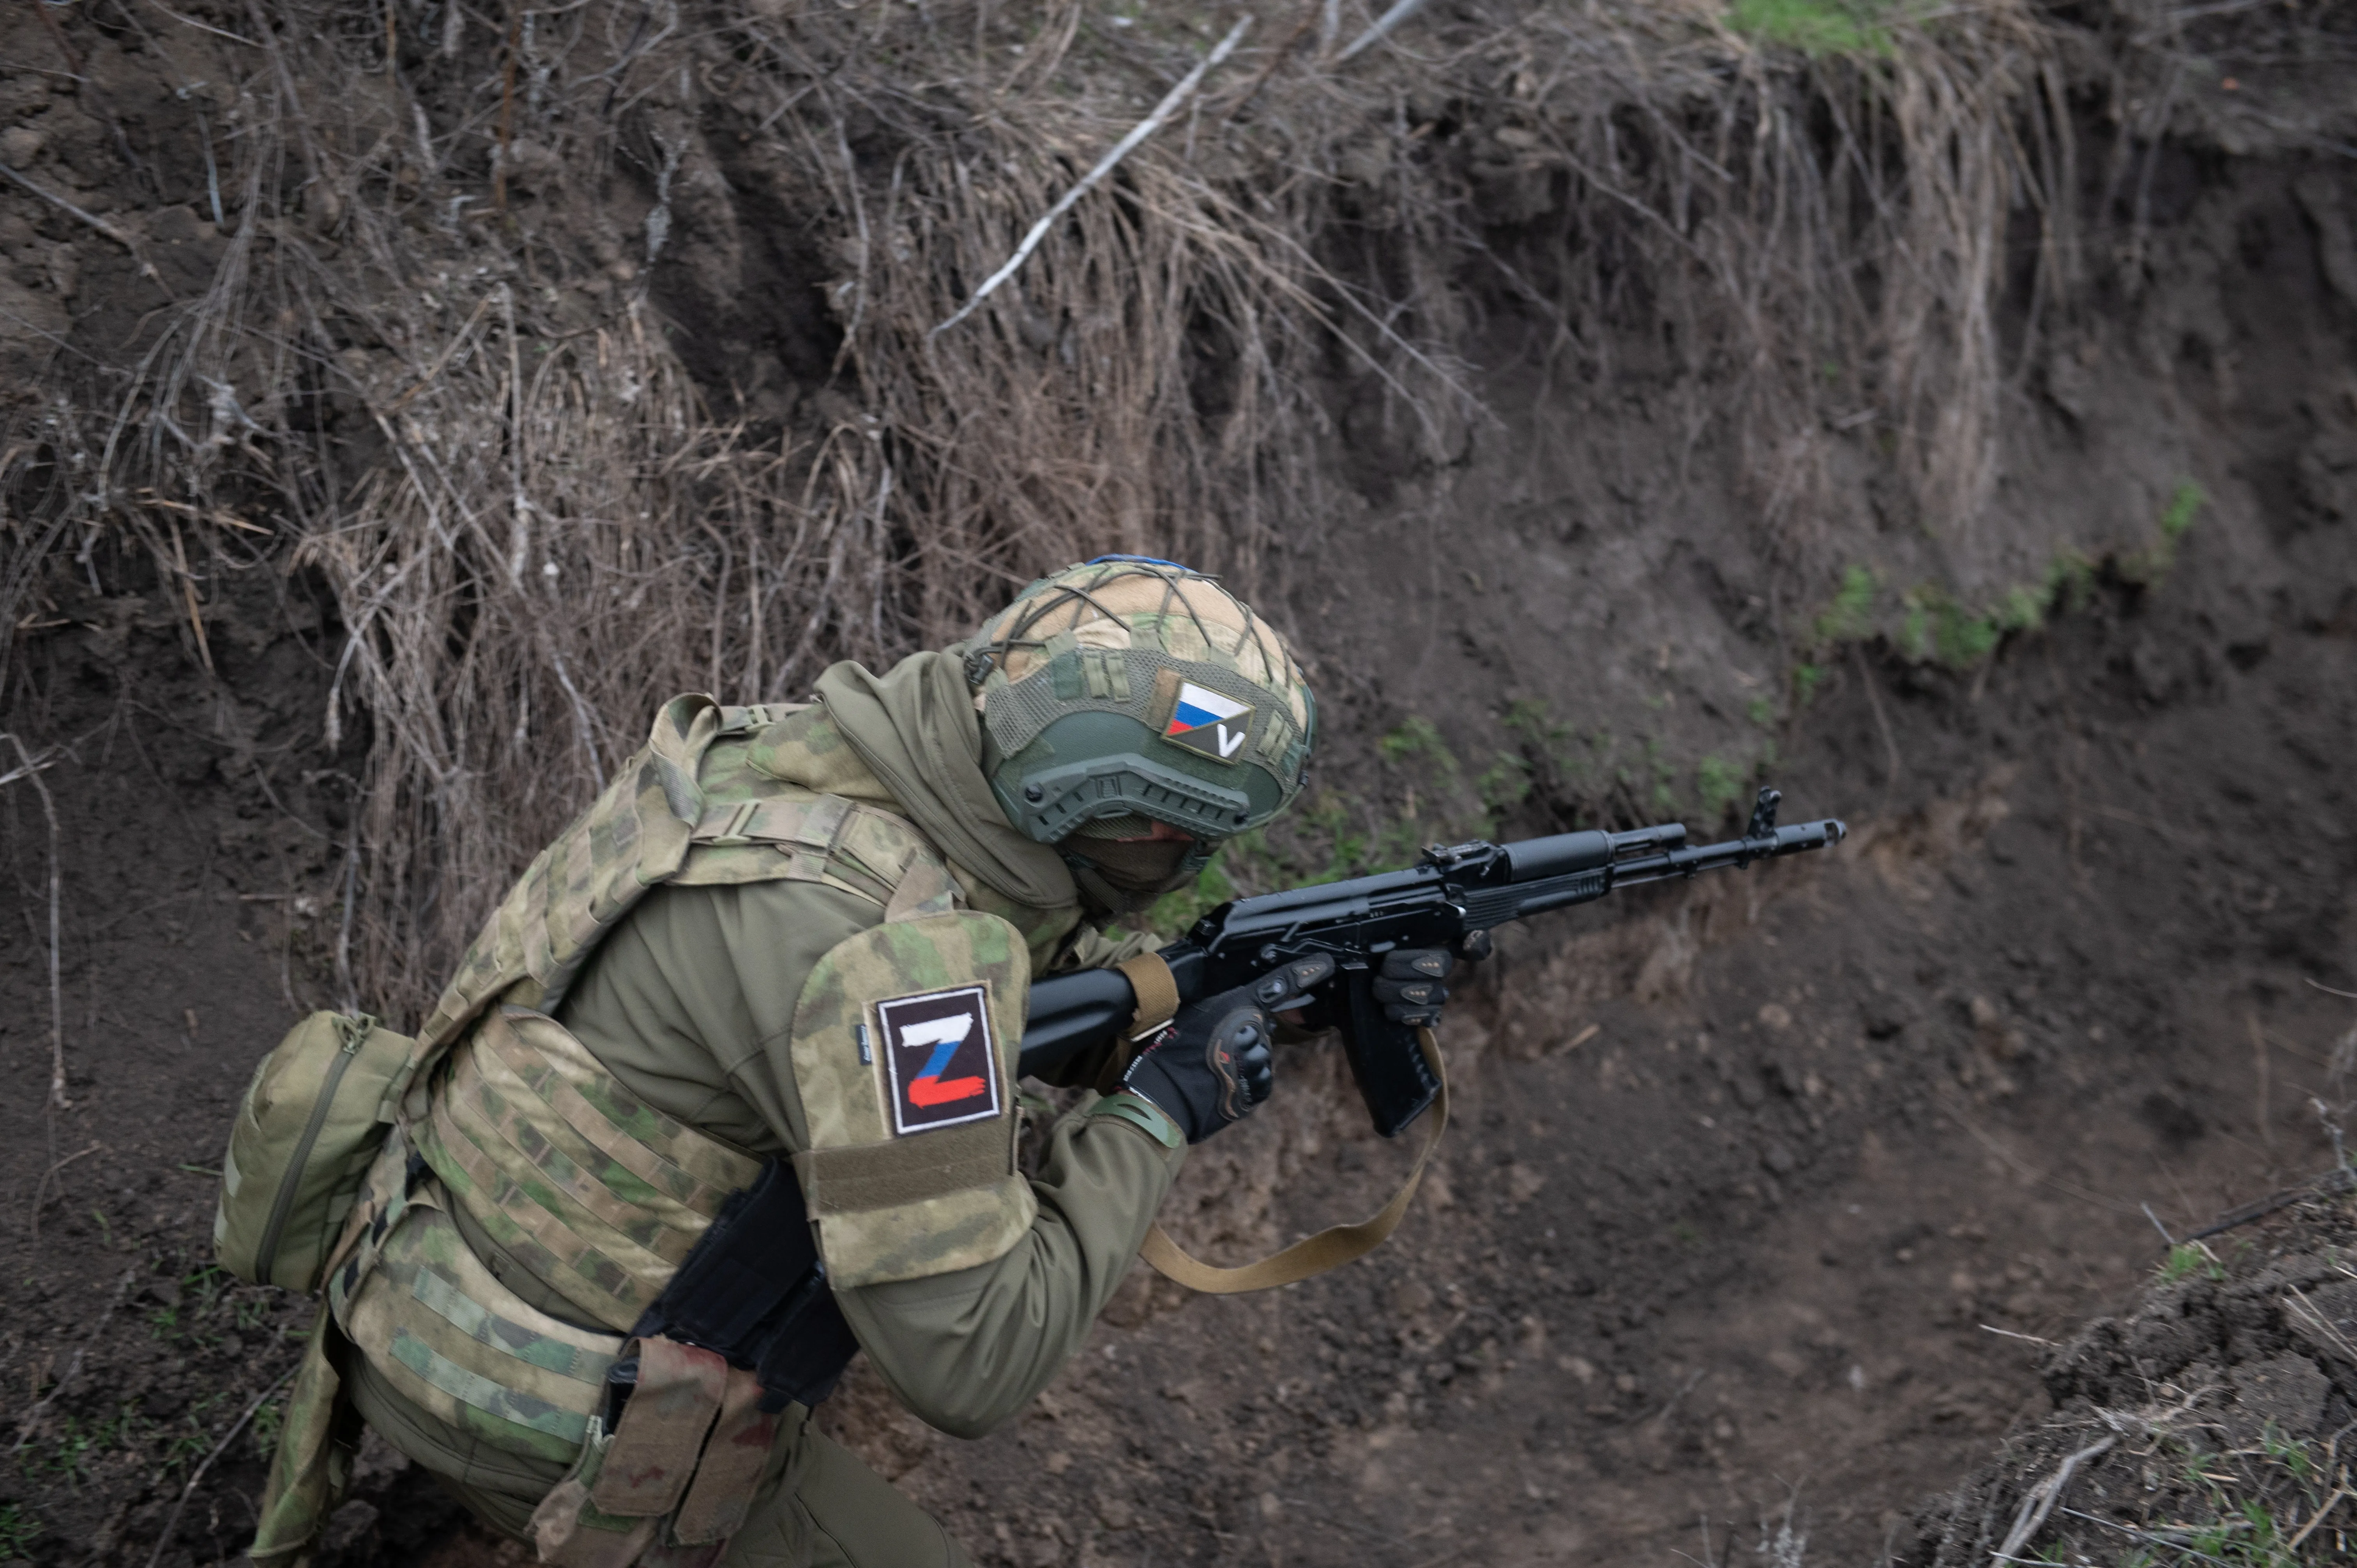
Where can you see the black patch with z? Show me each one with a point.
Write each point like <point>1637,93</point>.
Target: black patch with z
<point>941,1059</point>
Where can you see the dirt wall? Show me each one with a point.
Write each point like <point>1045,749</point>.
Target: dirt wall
<point>1754,1186</point>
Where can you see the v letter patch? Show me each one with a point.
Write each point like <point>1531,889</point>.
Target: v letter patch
<point>1203,721</point>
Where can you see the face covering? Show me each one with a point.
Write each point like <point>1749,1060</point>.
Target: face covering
<point>1126,875</point>
<point>1136,865</point>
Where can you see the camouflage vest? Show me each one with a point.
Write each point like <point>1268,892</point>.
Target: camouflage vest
<point>601,1196</point>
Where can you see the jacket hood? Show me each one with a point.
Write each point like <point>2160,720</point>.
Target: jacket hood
<point>916,729</point>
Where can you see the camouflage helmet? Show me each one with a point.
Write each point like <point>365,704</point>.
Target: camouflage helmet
<point>1131,688</point>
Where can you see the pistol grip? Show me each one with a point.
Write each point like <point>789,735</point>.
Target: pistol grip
<point>1385,1058</point>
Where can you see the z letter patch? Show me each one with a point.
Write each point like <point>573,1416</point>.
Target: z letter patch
<point>941,1060</point>
<point>1203,721</point>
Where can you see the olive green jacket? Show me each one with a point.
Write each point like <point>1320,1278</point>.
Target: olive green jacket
<point>690,1003</point>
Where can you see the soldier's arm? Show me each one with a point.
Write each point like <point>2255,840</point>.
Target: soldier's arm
<point>693,1006</point>
<point>967,1350</point>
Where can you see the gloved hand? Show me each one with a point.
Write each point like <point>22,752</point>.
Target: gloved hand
<point>1210,1064</point>
<point>1409,984</point>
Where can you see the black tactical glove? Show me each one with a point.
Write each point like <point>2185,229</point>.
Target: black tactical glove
<point>1211,1066</point>
<point>1409,984</point>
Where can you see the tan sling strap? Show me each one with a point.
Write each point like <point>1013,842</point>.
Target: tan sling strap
<point>1312,1255</point>
<point>1157,990</point>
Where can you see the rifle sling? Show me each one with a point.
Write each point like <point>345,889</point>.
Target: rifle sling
<point>1312,1255</point>
<point>1156,989</point>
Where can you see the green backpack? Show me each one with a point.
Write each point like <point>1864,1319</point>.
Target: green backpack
<point>311,1123</point>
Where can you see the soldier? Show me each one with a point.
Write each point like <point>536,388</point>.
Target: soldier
<point>778,970</point>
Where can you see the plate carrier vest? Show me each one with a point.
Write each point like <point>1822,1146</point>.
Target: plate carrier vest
<point>501,1113</point>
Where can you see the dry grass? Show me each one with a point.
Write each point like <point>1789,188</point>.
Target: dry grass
<point>537,521</point>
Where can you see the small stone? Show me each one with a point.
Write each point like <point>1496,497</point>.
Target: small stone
<point>349,1524</point>
<point>2287,1391</point>
<point>20,144</point>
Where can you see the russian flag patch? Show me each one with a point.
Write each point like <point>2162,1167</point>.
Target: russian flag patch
<point>1204,722</point>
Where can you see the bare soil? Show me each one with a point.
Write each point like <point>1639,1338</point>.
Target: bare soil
<point>1766,1236</point>
<point>2209,1422</point>
<point>1764,1196</point>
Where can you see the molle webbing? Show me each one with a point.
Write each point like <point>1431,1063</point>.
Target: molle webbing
<point>599,1196</point>
<point>823,839</point>
<point>635,835</point>
<point>868,1176</point>
<point>445,1332</point>
<point>690,808</point>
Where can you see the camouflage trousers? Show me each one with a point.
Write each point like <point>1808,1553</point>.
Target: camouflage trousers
<point>826,1510</point>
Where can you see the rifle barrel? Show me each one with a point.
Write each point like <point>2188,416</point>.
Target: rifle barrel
<point>1069,1013</point>
<point>1733,852</point>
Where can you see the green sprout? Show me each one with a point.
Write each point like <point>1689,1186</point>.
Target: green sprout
<point>1504,784</point>
<point>1851,615</point>
<point>17,1530</point>
<point>1818,29</point>
<point>1417,740</point>
<point>267,1421</point>
<point>1721,784</point>
<point>2185,504</point>
<point>2187,1258</point>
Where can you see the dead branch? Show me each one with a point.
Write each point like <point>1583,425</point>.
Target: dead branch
<point>2042,1499</point>
<point>173,1523</point>
<point>41,1187</point>
<point>2338,1179</point>
<point>1400,12</point>
<point>29,1424</point>
<point>2291,1547</point>
<point>58,36</point>
<point>1105,165</point>
<point>507,109</point>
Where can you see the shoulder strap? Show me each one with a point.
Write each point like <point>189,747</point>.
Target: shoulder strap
<point>634,836</point>
<point>667,818</point>
<point>1312,1255</point>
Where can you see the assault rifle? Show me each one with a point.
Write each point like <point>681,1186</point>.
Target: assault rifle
<point>1452,898</point>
